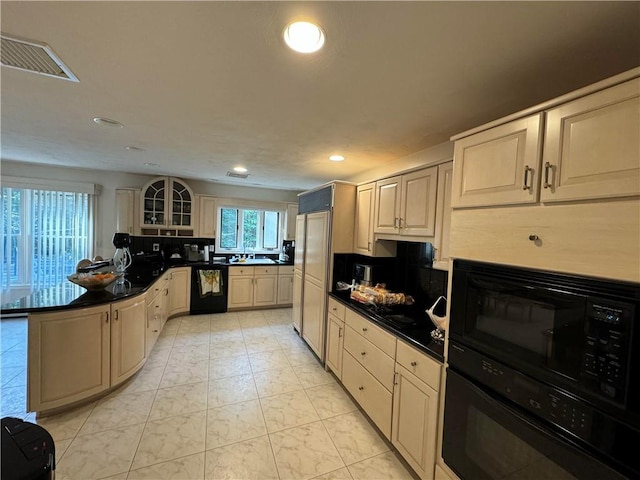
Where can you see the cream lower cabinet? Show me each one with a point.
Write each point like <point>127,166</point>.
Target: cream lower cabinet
<point>313,314</point>
<point>157,304</point>
<point>415,409</point>
<point>335,337</point>
<point>68,356</point>
<point>128,338</point>
<point>179,290</point>
<point>368,368</point>
<point>285,285</point>
<point>252,287</point>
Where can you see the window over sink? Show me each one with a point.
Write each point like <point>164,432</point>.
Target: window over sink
<point>249,230</point>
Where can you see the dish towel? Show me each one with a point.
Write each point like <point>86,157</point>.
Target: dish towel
<point>210,282</point>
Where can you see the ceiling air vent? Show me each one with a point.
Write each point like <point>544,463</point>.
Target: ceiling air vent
<point>33,57</point>
<point>237,175</point>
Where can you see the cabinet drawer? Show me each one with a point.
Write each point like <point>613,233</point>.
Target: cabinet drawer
<point>263,270</point>
<point>376,335</point>
<point>336,308</point>
<point>374,399</point>
<point>285,270</point>
<point>423,367</point>
<point>236,271</point>
<point>371,357</point>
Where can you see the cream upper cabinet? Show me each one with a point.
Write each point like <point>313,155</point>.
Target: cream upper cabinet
<point>592,146</point>
<point>166,206</point>
<point>207,216</point>
<point>363,238</point>
<point>290,221</point>
<point>179,290</point>
<point>387,205</point>
<point>128,338</point>
<point>127,205</point>
<point>499,166</point>
<point>441,258</point>
<point>406,205</point>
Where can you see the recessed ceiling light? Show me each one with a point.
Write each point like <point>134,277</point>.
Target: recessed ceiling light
<point>336,158</point>
<point>239,169</point>
<point>131,148</point>
<point>107,122</point>
<point>152,165</point>
<point>304,37</point>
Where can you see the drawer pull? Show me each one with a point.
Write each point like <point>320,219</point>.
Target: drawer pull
<point>339,332</point>
<point>361,388</point>
<point>364,329</point>
<point>363,353</point>
<point>533,238</point>
<point>413,364</point>
<point>334,309</point>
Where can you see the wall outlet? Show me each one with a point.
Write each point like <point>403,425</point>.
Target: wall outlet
<point>156,247</point>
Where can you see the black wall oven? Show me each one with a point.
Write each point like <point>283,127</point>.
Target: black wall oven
<point>544,375</point>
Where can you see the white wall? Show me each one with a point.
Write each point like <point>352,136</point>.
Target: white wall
<point>110,181</point>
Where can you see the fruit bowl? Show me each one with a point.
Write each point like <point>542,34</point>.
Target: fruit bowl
<point>94,281</point>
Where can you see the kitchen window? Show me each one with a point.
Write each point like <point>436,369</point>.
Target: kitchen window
<point>249,230</point>
<point>44,235</point>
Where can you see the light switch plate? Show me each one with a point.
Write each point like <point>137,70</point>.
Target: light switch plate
<point>156,247</point>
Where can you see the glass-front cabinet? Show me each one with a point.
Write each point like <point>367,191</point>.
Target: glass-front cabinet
<point>167,207</point>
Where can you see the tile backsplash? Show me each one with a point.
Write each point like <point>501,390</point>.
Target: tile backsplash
<point>409,272</point>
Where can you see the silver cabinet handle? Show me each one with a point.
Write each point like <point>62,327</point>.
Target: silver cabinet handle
<point>547,168</point>
<point>526,185</point>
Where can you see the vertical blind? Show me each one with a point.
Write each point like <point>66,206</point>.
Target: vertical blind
<point>45,233</point>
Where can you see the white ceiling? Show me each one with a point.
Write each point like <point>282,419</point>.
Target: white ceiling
<point>205,86</point>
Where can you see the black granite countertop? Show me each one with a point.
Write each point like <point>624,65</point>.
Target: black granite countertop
<point>67,295</point>
<point>418,335</point>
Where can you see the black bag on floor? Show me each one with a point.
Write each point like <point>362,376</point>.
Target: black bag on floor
<point>28,452</point>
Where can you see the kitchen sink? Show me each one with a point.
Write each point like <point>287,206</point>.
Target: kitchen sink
<point>261,261</point>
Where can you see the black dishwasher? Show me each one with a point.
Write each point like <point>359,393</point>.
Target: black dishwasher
<point>208,288</point>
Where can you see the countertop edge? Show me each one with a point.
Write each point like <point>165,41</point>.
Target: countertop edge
<point>397,333</point>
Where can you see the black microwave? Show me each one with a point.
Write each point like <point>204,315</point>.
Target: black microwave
<point>577,333</point>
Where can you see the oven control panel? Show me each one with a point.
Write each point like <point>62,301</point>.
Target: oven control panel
<point>604,364</point>
<point>542,400</point>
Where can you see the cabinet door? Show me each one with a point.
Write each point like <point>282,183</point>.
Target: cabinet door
<point>153,208</point>
<point>128,334</point>
<point>499,166</point>
<point>592,146</point>
<point>154,321</point>
<point>285,289</point>
<point>418,203</point>
<point>313,314</point>
<point>240,292</point>
<point>301,224</point>
<point>363,238</point>
<point>126,213</point>
<point>69,356</point>
<point>441,259</point>
<point>296,314</point>
<point>206,216</point>
<point>335,341</point>
<point>290,221</point>
<point>316,246</point>
<point>180,204</point>
<point>179,290</point>
<point>265,291</point>
<point>387,205</point>
<point>415,415</point>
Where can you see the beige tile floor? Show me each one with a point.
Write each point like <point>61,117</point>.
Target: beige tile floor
<point>224,396</point>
